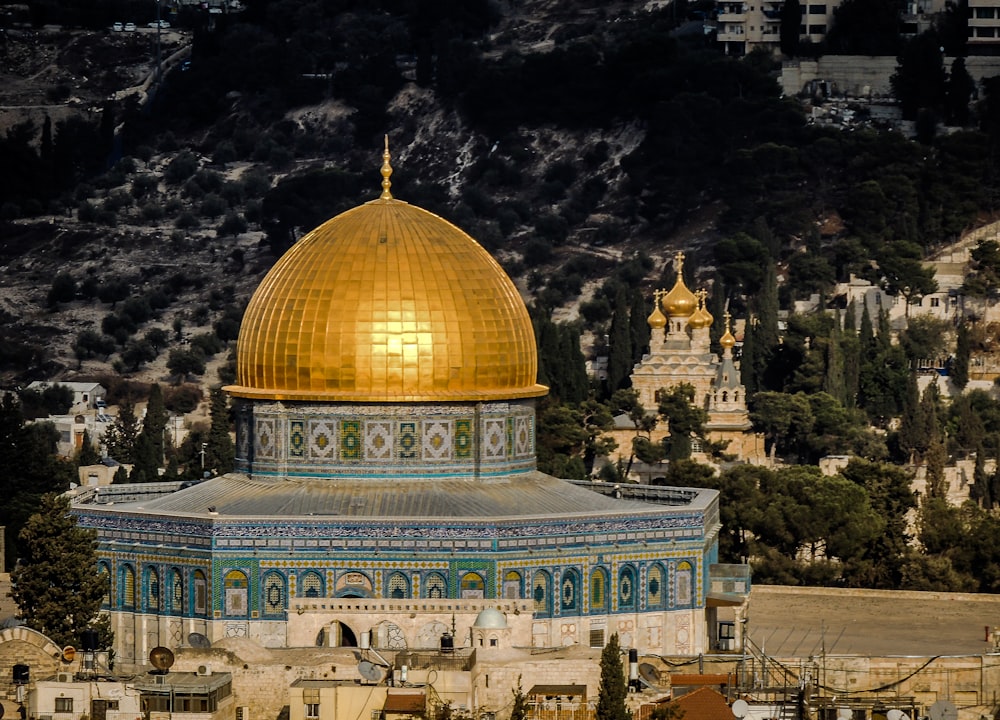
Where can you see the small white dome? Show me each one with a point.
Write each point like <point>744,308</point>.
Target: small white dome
<point>490,618</point>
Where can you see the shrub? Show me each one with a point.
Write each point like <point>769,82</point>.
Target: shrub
<point>233,224</point>
<point>207,344</point>
<point>181,167</point>
<point>225,152</point>
<point>213,206</point>
<point>186,220</point>
<point>182,399</point>
<point>63,289</point>
<point>143,185</point>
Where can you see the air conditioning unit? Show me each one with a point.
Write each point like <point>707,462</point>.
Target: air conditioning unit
<point>242,712</point>
<point>159,679</point>
<point>203,671</point>
<point>64,677</point>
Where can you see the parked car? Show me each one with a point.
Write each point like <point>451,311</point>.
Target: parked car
<point>118,27</point>
<point>129,27</point>
<point>162,24</point>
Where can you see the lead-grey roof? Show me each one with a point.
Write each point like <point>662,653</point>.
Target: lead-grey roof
<point>528,495</point>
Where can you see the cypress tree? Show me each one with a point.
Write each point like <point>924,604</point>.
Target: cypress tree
<point>639,332</point>
<point>884,339</point>
<point>833,380</point>
<point>748,375</point>
<point>620,350</point>
<point>575,384</point>
<point>852,365</point>
<point>960,367</point>
<point>612,689</point>
<point>912,425</point>
<point>88,454</point>
<point>866,333</point>
<point>120,437</point>
<point>717,307</point>
<point>154,425</point>
<point>979,480</point>
<point>767,310</point>
<point>219,453</point>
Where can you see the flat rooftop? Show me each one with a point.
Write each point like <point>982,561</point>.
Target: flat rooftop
<point>798,622</point>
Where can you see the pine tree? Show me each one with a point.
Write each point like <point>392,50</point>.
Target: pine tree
<point>219,452</point>
<point>56,586</point>
<point>620,350</point>
<point>612,689</point>
<point>960,367</point>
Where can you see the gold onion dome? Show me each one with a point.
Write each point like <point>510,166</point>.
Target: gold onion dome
<point>727,341</point>
<point>657,319</point>
<point>386,303</point>
<point>680,302</point>
<point>701,318</point>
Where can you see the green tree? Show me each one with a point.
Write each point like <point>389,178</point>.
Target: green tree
<point>791,19</point>
<point>612,690</point>
<point>120,437</point>
<point>620,346</point>
<point>782,418</point>
<point>639,331</point>
<point>920,79</point>
<point>56,586</point>
<point>684,419</point>
<point>959,370</point>
<point>959,92</point>
<point>88,454</point>
<point>519,705</point>
<point>219,452</point>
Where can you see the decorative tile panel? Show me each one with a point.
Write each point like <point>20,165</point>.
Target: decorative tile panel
<point>494,438</point>
<point>463,438</point>
<point>296,438</point>
<point>266,440</point>
<point>378,440</point>
<point>322,439</point>
<point>437,440</point>
<point>350,440</point>
<point>407,441</point>
<point>522,436</point>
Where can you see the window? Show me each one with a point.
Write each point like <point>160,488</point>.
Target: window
<point>436,586</point>
<point>984,13</point>
<point>200,593</point>
<point>311,585</point>
<point>935,302</point>
<point>473,586</point>
<point>626,589</point>
<point>654,587</point>
<point>177,592</point>
<point>106,580</point>
<point>128,587</point>
<point>817,29</point>
<point>152,589</point>
<point>378,714</point>
<point>682,583</point>
<point>512,585</point>
<point>598,592</point>
<point>399,587</point>
<point>597,638</point>
<point>569,592</point>
<point>312,710</point>
<point>817,9</point>
<point>236,587</point>
<point>274,593</point>
<point>64,704</point>
<point>541,593</point>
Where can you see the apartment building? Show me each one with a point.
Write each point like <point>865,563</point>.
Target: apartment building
<point>984,26</point>
<point>745,26</point>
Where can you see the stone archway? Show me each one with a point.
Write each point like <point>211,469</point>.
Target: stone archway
<point>31,648</point>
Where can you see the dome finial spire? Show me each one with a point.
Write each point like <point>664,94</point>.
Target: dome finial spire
<point>386,172</point>
<point>679,262</point>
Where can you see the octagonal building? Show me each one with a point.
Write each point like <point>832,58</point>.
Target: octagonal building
<point>385,487</point>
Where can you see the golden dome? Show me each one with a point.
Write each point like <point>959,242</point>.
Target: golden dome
<point>657,319</point>
<point>727,341</point>
<point>386,303</point>
<point>680,302</point>
<point>701,318</point>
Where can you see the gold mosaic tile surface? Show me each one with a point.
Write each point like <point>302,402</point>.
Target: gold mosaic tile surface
<point>386,302</point>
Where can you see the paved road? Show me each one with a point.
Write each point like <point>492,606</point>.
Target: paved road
<point>798,622</point>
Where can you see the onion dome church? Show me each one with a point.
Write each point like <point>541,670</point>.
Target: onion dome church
<point>386,489</point>
<point>679,353</point>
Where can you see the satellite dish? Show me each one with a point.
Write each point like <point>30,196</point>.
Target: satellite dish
<point>649,674</point>
<point>896,714</point>
<point>197,640</point>
<point>741,708</point>
<point>370,671</point>
<point>844,713</point>
<point>68,654</point>
<point>161,658</point>
<point>943,710</point>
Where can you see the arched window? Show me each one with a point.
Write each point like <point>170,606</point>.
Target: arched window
<point>683,583</point>
<point>626,589</point>
<point>105,574</point>
<point>176,592</point>
<point>654,587</point>
<point>599,591</point>
<point>399,586</point>
<point>512,585</point>
<point>152,589</point>
<point>236,587</point>
<point>541,593</point>
<point>435,586</point>
<point>473,586</point>
<point>128,587</point>
<point>569,592</point>
<point>311,585</point>
<point>274,594</point>
<point>200,585</point>
<point>725,396</point>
